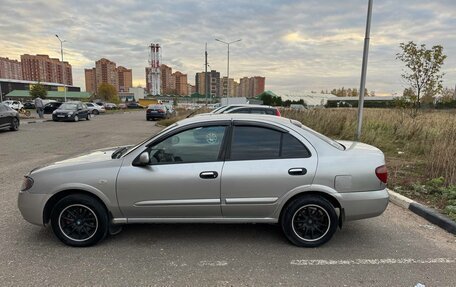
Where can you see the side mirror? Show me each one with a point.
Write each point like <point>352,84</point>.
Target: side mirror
<point>143,159</point>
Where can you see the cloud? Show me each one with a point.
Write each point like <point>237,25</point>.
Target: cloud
<point>297,45</point>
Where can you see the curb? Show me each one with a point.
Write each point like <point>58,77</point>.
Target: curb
<point>430,214</point>
<point>33,121</point>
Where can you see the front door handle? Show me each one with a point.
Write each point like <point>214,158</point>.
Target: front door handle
<point>208,174</point>
<point>297,171</point>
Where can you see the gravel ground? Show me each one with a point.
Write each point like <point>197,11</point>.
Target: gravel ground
<point>395,249</point>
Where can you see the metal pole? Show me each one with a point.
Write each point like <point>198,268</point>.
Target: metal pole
<point>1,93</point>
<point>364,71</point>
<point>63,68</point>
<point>206,88</point>
<point>228,64</point>
<point>228,74</point>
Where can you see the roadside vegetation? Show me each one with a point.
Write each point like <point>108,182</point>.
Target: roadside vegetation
<point>420,151</point>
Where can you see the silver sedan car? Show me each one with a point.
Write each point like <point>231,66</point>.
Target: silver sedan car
<point>227,168</point>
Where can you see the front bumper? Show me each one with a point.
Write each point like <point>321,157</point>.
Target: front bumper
<point>360,205</point>
<point>31,206</point>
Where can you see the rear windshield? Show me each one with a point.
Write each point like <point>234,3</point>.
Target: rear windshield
<point>156,107</point>
<point>324,138</point>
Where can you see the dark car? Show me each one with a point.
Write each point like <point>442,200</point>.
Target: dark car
<point>134,105</point>
<point>71,111</point>
<point>157,112</point>
<point>29,105</point>
<point>9,118</point>
<point>49,108</point>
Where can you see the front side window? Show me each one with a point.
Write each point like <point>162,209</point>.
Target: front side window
<point>202,144</point>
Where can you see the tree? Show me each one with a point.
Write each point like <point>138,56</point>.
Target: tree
<point>423,68</point>
<point>38,90</point>
<point>448,95</point>
<point>108,93</point>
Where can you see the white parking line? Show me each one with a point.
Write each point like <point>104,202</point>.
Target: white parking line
<point>373,261</point>
<point>212,263</point>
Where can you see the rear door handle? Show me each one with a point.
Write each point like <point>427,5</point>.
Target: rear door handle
<point>297,171</point>
<point>208,174</point>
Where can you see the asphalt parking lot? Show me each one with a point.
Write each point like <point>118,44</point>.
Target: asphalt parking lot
<point>395,249</point>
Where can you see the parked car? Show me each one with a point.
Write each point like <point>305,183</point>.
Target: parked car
<point>95,109</point>
<point>71,111</point>
<point>247,109</point>
<point>110,106</point>
<point>274,170</point>
<point>29,105</point>
<point>15,105</point>
<point>134,105</point>
<point>49,108</point>
<point>9,118</point>
<point>122,106</point>
<point>157,112</point>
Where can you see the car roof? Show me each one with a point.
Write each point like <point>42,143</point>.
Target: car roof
<point>231,117</point>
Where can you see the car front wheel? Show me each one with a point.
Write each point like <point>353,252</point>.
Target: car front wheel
<point>79,220</point>
<point>76,118</point>
<point>95,112</point>
<point>14,124</point>
<point>309,221</point>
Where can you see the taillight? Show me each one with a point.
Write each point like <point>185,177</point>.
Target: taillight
<point>382,173</point>
<point>277,112</point>
<point>148,110</point>
<point>161,111</point>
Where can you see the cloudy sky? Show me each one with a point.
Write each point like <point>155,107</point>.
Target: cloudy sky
<point>296,45</point>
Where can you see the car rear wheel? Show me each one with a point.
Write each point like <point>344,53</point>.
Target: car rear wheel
<point>309,221</point>
<point>14,124</point>
<point>79,220</point>
<point>95,112</point>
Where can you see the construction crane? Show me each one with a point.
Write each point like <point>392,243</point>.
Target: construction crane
<point>155,73</point>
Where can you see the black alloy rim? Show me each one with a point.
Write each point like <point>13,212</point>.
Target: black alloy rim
<point>311,222</point>
<point>78,222</point>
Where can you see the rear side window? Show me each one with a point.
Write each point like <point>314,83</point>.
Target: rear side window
<point>254,143</point>
<point>293,148</point>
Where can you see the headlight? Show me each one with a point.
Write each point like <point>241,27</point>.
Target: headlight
<point>27,183</point>
<point>54,112</point>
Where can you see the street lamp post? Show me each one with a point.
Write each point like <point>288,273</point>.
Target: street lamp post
<point>63,67</point>
<point>228,65</point>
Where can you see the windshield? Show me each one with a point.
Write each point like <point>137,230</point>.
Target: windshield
<point>130,149</point>
<point>68,106</point>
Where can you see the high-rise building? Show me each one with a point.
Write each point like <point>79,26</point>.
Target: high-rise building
<point>44,69</point>
<point>191,89</point>
<point>166,78</point>
<point>200,87</point>
<point>105,71</point>
<point>180,83</point>
<point>125,79</point>
<point>213,81</point>
<point>244,87</point>
<point>257,85</point>
<point>224,87</point>
<point>10,69</point>
<point>90,80</point>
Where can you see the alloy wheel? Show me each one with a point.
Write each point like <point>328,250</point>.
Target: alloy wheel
<point>78,222</point>
<point>311,222</point>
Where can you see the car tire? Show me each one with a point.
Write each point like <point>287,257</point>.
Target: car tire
<point>95,112</point>
<point>309,221</point>
<point>76,118</point>
<point>14,124</point>
<point>88,117</point>
<point>79,220</point>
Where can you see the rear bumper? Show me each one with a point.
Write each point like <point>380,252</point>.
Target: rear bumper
<point>156,116</point>
<point>360,205</point>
